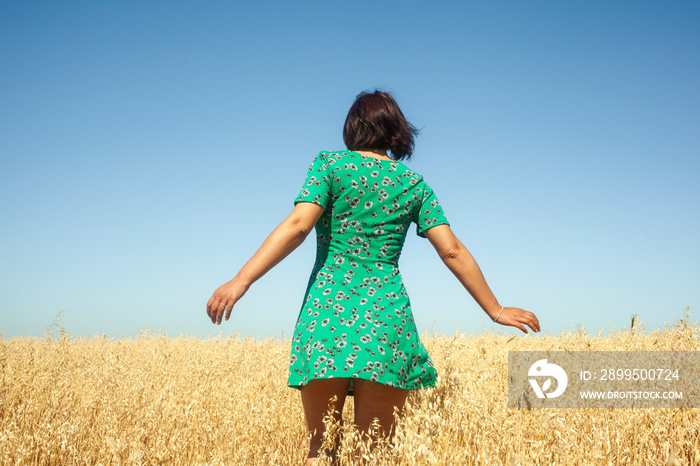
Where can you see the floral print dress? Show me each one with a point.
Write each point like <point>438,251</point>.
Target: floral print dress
<point>356,319</point>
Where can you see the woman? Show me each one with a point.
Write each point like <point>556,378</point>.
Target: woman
<point>355,334</point>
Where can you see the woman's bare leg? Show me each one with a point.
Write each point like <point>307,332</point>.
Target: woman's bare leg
<point>376,401</point>
<point>315,397</point>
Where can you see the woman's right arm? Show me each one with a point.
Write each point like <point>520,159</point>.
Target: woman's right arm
<point>281,242</point>
<point>461,263</point>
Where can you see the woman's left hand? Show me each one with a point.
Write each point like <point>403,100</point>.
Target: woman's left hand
<point>516,317</point>
<point>224,298</point>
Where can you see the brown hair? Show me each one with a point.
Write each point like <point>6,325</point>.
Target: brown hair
<point>375,122</point>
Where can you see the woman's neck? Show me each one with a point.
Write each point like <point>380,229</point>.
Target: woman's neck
<point>377,154</point>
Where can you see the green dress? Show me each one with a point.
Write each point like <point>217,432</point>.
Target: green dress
<point>356,319</point>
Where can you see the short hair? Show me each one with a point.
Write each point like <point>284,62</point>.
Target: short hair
<point>375,122</point>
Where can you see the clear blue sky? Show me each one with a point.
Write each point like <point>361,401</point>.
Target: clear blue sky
<point>148,148</point>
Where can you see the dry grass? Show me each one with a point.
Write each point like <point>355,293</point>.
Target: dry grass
<point>158,400</point>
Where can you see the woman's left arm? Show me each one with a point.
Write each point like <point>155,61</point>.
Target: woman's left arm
<point>281,242</point>
<point>461,263</point>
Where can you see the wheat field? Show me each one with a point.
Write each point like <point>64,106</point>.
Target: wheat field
<point>161,400</point>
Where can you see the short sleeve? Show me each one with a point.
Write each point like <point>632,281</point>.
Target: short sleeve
<point>431,213</point>
<point>317,187</point>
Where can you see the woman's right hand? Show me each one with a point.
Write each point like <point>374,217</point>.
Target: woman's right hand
<point>516,317</point>
<point>224,298</point>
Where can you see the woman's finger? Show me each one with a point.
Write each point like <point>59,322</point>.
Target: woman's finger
<point>536,322</point>
<point>532,325</point>
<point>220,309</point>
<point>210,307</point>
<point>209,303</point>
<point>531,321</point>
<point>214,308</point>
